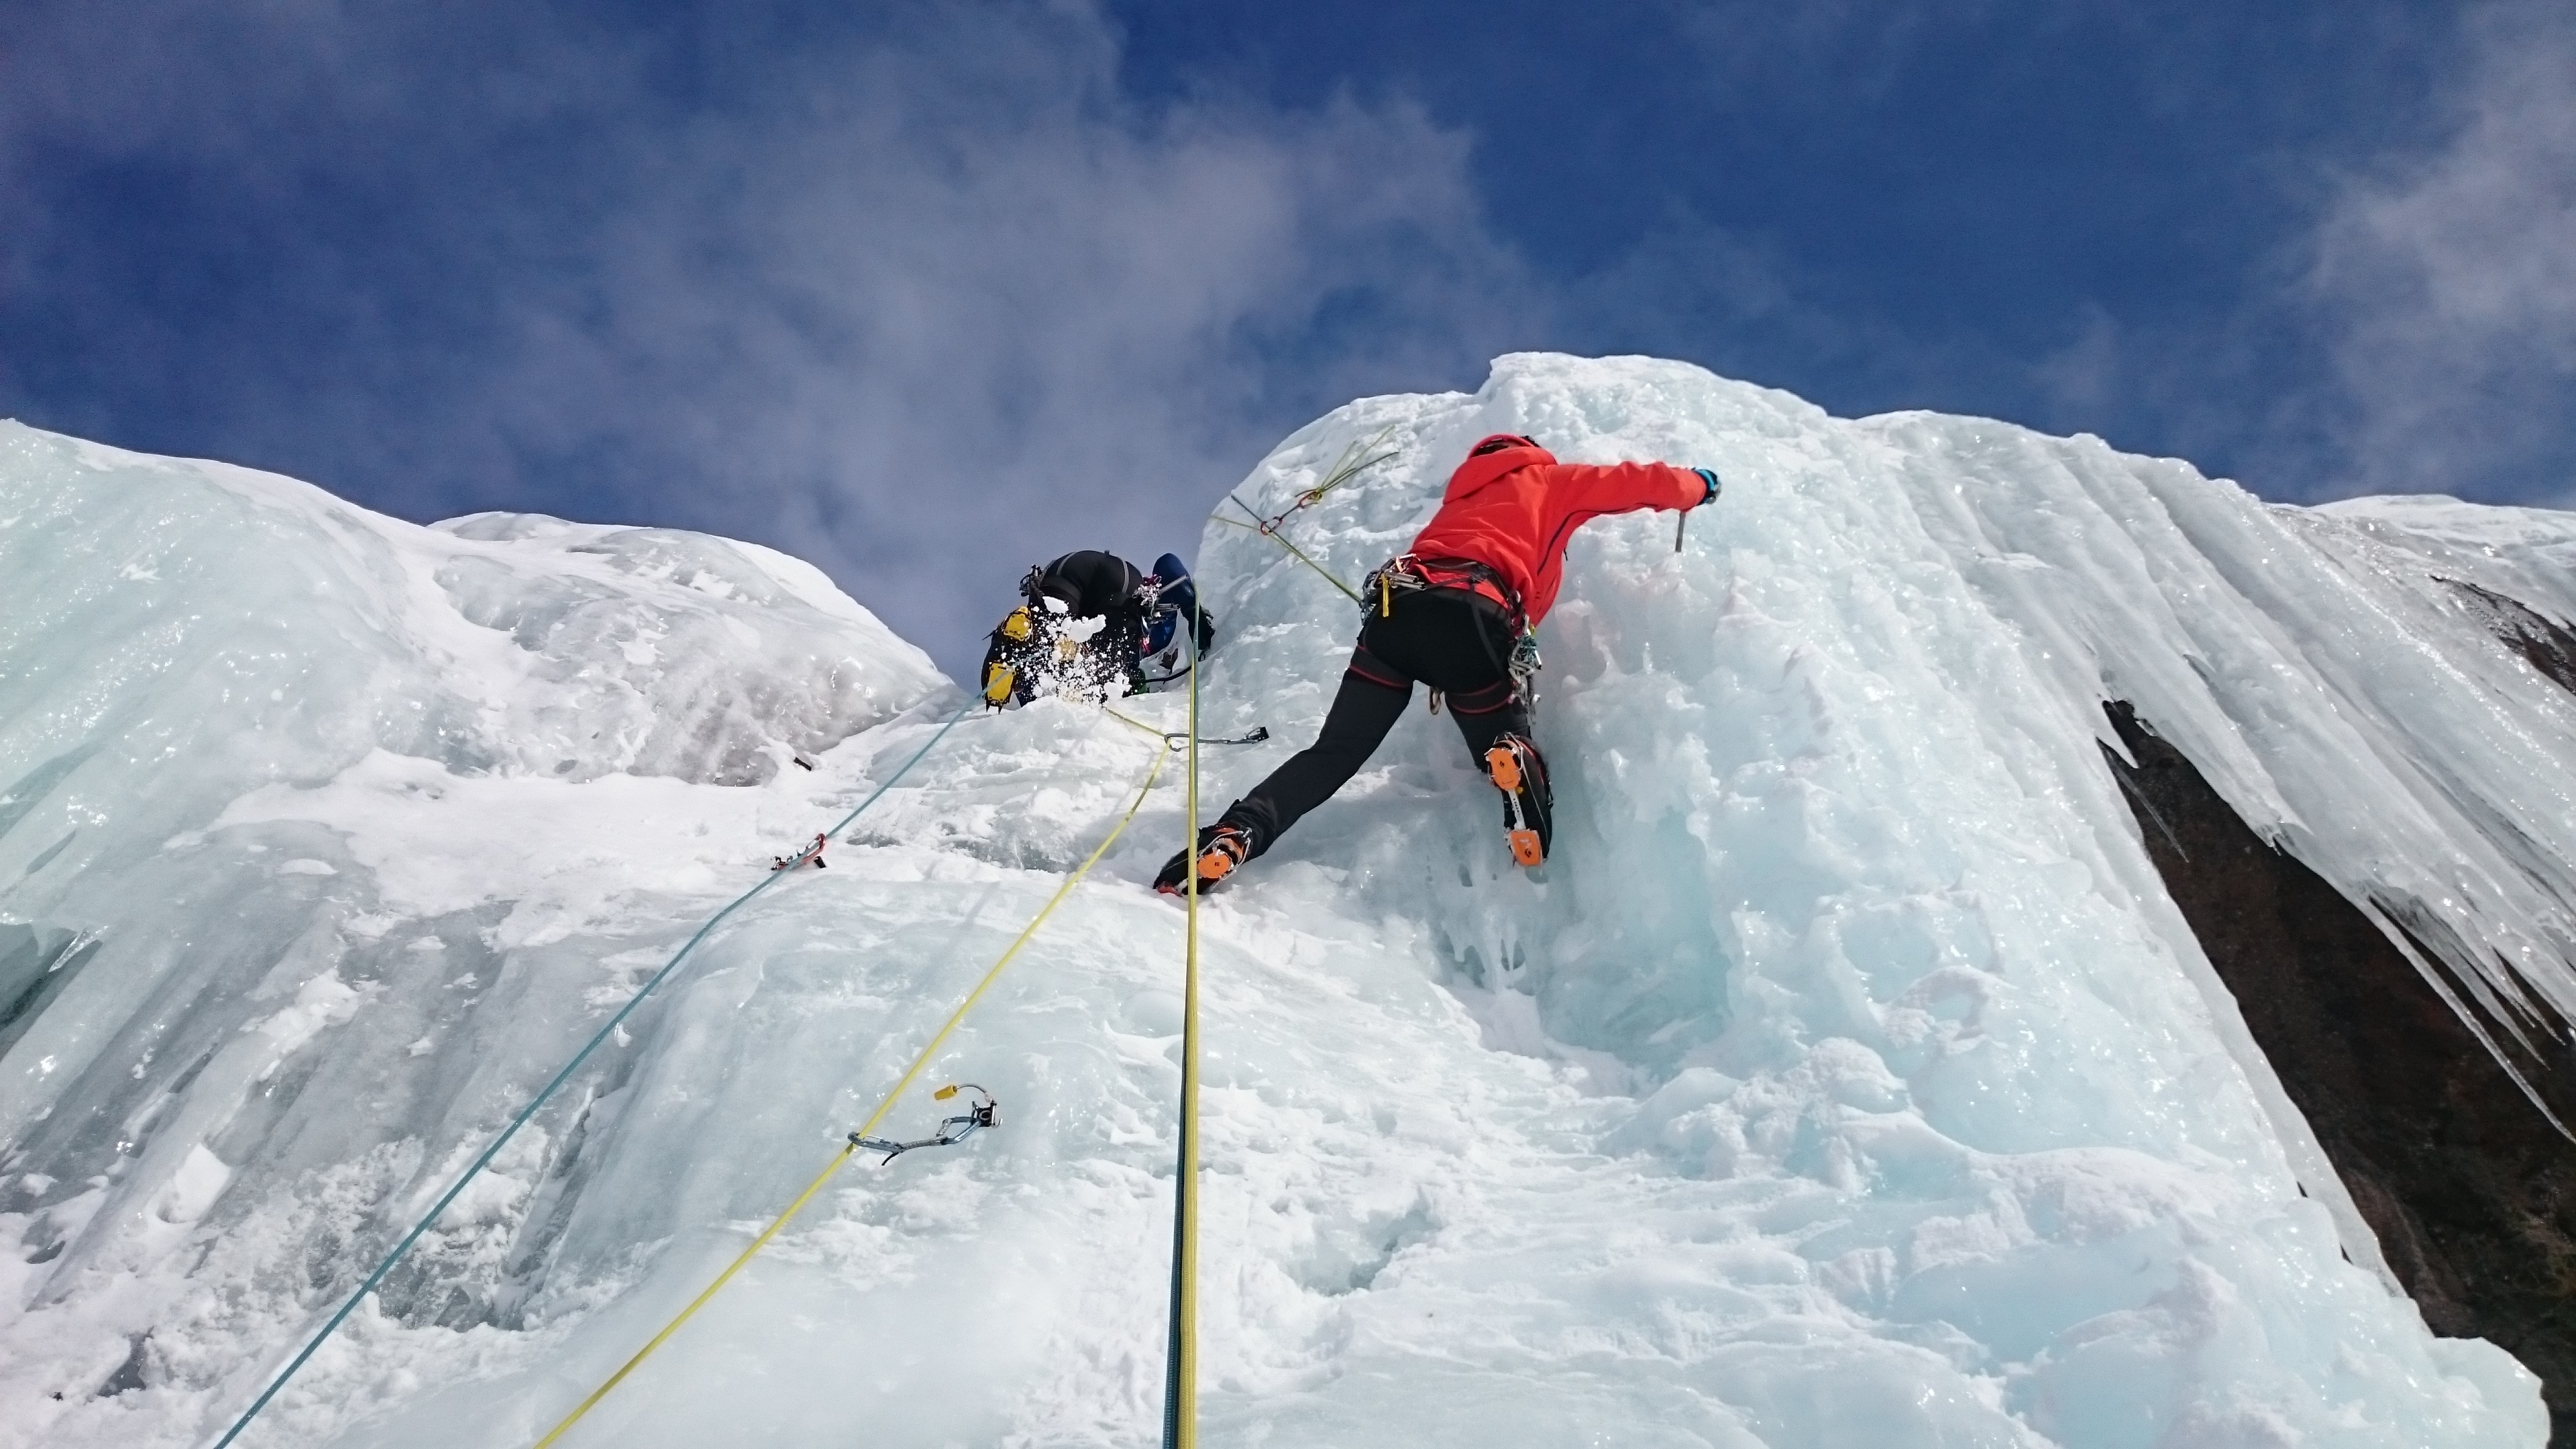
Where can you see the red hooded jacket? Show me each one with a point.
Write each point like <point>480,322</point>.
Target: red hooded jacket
<point>1513,510</point>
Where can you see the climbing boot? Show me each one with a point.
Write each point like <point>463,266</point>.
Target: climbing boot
<point>1222,847</point>
<point>1513,764</point>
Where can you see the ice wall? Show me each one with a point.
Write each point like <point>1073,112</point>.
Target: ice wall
<point>215,1003</point>
<point>1850,1080</point>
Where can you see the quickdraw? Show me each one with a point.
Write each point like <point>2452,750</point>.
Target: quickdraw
<point>1355,459</point>
<point>1281,539</point>
<point>952,1130</point>
<point>813,853</point>
<point>1346,467</point>
<point>1524,665</point>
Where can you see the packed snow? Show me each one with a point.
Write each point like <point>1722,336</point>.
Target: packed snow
<point>1849,1079</point>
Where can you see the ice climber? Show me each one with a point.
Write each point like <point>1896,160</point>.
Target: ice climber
<point>1089,625</point>
<point>1455,612</point>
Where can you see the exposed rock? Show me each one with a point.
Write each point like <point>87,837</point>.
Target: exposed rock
<point>2471,1189</point>
<point>2535,636</point>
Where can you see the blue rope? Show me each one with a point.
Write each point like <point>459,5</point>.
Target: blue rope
<point>549,1090</point>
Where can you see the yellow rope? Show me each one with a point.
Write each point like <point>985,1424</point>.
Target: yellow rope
<point>1346,467</point>
<point>874,1118</point>
<point>1181,1373</point>
<point>1137,724</point>
<point>1282,540</point>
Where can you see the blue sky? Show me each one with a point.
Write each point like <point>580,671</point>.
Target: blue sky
<point>926,292</point>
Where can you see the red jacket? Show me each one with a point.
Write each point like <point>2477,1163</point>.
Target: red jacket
<point>1513,510</point>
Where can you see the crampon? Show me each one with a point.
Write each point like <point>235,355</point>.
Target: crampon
<point>1515,769</point>
<point>1221,850</point>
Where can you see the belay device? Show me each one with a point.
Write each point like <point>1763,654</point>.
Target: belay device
<point>952,1130</point>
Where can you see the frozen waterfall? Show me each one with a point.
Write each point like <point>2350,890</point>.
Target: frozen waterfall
<point>1851,1079</point>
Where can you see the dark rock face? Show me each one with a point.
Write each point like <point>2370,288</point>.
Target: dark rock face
<point>2471,1190</point>
<point>2536,637</point>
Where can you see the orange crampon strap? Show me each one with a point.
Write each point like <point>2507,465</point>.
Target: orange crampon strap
<point>1220,859</point>
<point>1503,766</point>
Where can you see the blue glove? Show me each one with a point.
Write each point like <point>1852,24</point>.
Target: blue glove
<point>1709,478</point>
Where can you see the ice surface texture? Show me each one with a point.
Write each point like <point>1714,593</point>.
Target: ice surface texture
<point>1851,1081</point>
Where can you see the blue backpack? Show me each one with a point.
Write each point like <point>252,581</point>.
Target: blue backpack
<point>1175,597</point>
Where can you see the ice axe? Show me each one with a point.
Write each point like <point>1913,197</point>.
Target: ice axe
<point>1683,521</point>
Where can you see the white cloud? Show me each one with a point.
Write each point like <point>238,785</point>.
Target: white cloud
<point>947,306</point>
<point>925,297</point>
<point>2448,278</point>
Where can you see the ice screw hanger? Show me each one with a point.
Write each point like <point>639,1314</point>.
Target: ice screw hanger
<point>1178,738</point>
<point>813,852</point>
<point>977,1116</point>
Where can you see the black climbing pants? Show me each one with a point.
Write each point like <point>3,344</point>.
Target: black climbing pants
<point>1454,640</point>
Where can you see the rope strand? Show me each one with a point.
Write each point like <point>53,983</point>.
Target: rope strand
<point>936,1040</point>
<point>1281,539</point>
<point>1180,1371</point>
<point>521,1120</point>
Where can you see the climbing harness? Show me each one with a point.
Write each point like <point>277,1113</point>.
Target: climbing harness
<point>867,1128</point>
<point>606,1030</point>
<point>977,1116</point>
<point>1406,573</point>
